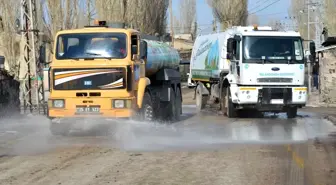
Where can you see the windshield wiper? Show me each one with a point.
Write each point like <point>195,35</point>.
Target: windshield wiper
<point>94,54</point>
<point>292,61</point>
<point>263,61</point>
<point>73,59</point>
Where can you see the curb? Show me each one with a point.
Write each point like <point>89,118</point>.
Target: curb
<point>331,119</point>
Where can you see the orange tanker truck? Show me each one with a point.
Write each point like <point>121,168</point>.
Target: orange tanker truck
<point>111,72</point>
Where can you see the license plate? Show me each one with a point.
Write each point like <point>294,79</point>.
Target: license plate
<point>277,101</point>
<point>88,109</point>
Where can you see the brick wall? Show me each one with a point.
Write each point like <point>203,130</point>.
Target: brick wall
<point>328,77</point>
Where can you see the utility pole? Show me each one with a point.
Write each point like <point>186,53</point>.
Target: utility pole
<point>89,11</point>
<point>171,21</point>
<point>308,38</point>
<point>31,86</point>
<point>214,25</point>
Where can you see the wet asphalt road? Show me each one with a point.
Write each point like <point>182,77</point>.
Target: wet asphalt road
<point>207,131</point>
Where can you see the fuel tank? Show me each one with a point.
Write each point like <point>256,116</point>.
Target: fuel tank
<point>160,55</point>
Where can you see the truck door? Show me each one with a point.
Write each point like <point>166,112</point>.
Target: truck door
<point>236,55</point>
<point>139,66</point>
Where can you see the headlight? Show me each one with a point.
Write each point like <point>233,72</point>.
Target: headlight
<point>58,103</point>
<point>118,104</point>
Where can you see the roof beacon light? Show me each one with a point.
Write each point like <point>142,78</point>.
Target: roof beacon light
<point>99,23</point>
<point>255,27</point>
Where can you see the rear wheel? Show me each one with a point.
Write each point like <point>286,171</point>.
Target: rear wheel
<point>178,105</point>
<point>146,111</point>
<point>169,110</point>
<point>200,99</point>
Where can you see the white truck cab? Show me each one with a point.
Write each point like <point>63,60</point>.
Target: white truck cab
<point>250,68</point>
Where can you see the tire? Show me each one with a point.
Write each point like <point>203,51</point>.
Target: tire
<point>169,111</point>
<point>231,111</point>
<point>291,112</point>
<point>223,102</point>
<point>178,105</point>
<point>200,100</point>
<point>147,111</point>
<point>59,129</point>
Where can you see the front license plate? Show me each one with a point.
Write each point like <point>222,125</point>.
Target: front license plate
<point>87,109</point>
<point>277,101</point>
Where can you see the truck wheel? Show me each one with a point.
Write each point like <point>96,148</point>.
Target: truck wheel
<point>178,105</point>
<point>223,102</point>
<point>200,99</point>
<point>147,112</point>
<point>169,112</point>
<point>59,129</point>
<point>231,111</point>
<point>291,112</point>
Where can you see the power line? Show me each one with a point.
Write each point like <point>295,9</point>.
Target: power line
<point>262,3</point>
<point>265,7</point>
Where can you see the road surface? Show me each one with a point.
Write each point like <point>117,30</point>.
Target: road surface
<point>204,148</point>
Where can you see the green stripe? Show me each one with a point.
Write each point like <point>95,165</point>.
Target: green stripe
<point>201,74</point>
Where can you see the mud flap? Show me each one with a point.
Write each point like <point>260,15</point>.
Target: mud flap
<point>204,91</point>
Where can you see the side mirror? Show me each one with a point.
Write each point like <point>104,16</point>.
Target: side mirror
<point>230,48</point>
<point>2,62</point>
<point>42,56</point>
<point>143,50</point>
<point>312,49</point>
<point>230,43</point>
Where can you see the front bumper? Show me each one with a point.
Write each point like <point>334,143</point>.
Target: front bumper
<point>71,113</point>
<point>103,108</point>
<point>281,96</point>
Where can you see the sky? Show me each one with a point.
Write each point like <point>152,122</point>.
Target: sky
<point>276,11</point>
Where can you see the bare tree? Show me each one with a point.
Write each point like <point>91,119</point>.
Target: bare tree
<point>148,16</point>
<point>299,11</point>
<point>187,15</point>
<point>109,10</point>
<point>59,15</point>
<point>229,13</point>
<point>9,39</point>
<point>252,19</point>
<point>329,16</point>
<point>275,24</point>
<point>177,25</point>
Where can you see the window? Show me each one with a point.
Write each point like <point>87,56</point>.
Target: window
<point>91,46</point>
<point>272,48</point>
<point>237,50</point>
<point>134,44</point>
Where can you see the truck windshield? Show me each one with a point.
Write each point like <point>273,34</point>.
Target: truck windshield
<point>91,46</point>
<point>273,49</point>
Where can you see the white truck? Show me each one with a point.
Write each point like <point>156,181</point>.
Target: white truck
<point>250,68</point>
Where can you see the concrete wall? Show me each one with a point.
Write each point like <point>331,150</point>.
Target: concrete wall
<point>328,77</point>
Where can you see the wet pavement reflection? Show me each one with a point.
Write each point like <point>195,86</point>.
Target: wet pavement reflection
<point>206,130</point>
<point>209,130</point>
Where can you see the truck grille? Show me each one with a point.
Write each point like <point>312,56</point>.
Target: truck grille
<point>275,80</point>
<point>89,79</point>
